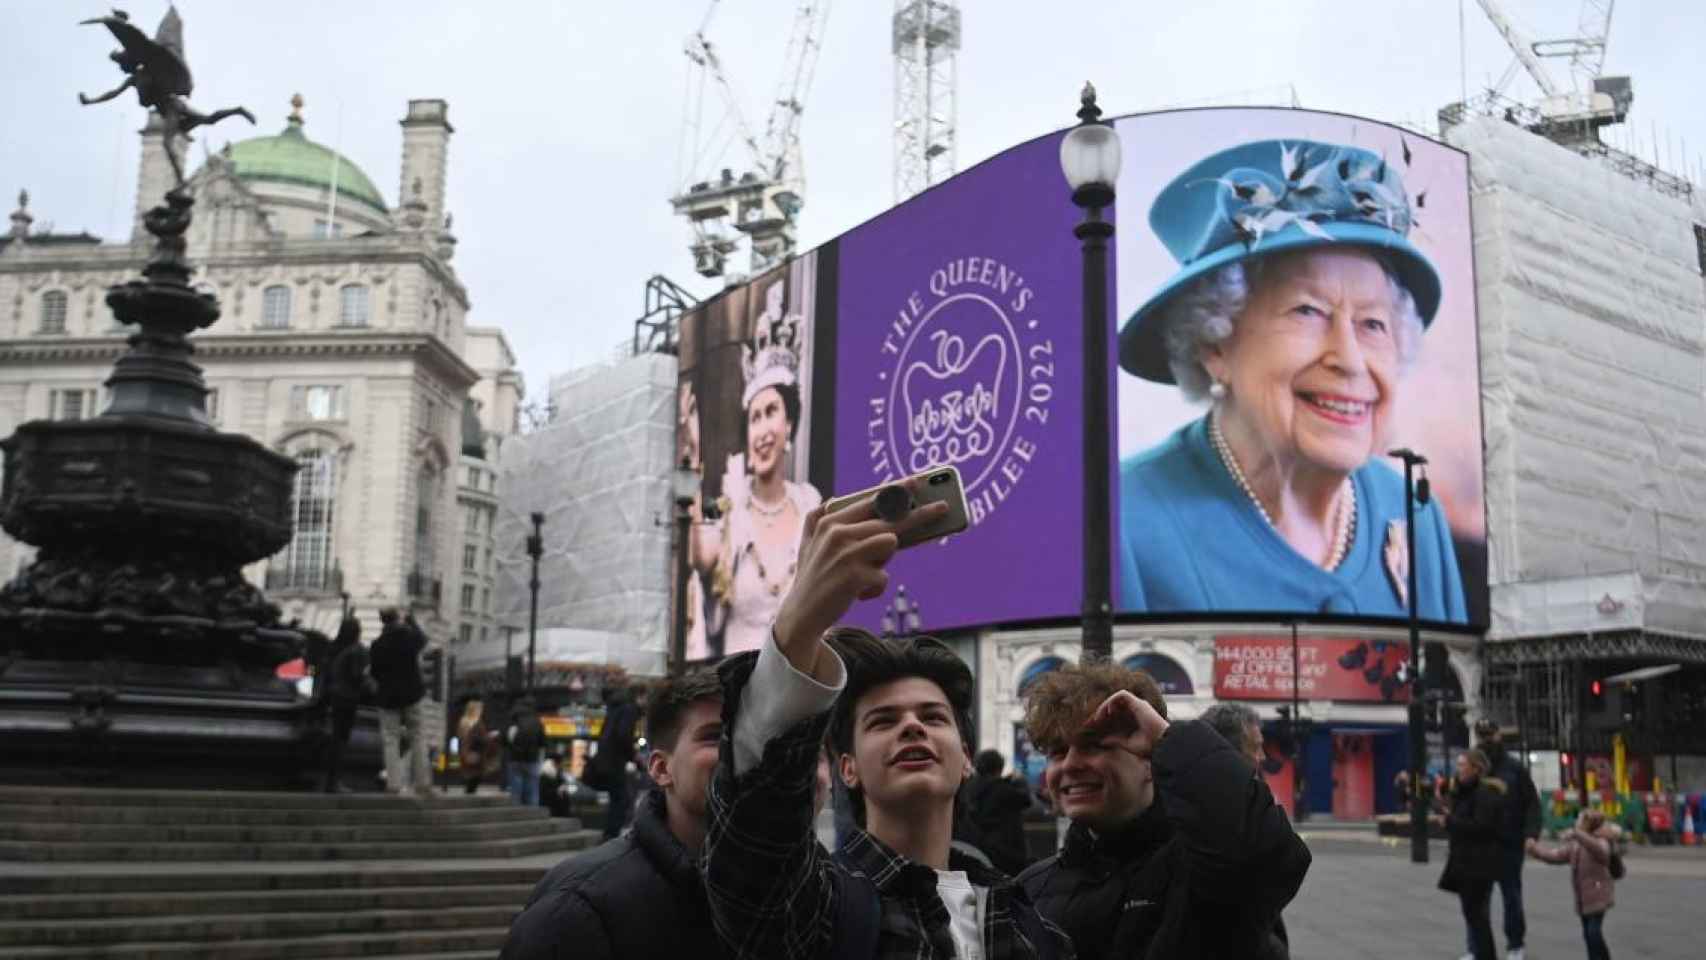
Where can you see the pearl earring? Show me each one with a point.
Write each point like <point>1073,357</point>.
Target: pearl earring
<point>1217,391</point>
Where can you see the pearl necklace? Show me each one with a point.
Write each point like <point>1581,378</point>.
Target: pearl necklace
<point>1344,514</point>
<point>767,510</point>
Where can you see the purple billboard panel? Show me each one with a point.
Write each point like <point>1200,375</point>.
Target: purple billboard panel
<point>958,342</point>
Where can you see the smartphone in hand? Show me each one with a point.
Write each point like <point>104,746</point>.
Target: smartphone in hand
<point>893,501</point>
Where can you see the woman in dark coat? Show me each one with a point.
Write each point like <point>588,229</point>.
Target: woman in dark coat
<point>1472,866</point>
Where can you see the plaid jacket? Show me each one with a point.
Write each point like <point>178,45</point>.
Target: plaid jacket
<point>775,891</point>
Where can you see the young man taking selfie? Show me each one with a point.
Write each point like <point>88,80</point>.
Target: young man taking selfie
<point>896,714</point>
<point>1176,848</point>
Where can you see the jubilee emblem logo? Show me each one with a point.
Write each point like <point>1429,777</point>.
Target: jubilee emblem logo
<point>966,380</point>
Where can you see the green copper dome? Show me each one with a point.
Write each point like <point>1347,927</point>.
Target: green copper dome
<point>291,157</point>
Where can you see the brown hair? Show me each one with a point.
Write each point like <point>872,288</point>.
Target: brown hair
<point>669,703</point>
<point>1593,819</point>
<point>1063,700</point>
<point>873,661</point>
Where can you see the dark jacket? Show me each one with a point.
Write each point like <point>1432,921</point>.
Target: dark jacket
<point>636,897</point>
<point>1474,824</point>
<point>344,677</point>
<point>621,718</point>
<point>1203,873</point>
<point>1522,816</point>
<point>395,662</point>
<point>996,810</point>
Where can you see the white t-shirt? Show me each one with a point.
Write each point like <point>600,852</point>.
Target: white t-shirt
<point>965,903</point>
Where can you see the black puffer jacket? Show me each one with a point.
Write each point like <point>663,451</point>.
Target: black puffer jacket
<point>636,897</point>
<point>1475,825</point>
<point>1203,873</point>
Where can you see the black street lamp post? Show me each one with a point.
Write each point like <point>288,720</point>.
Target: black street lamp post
<point>685,483</point>
<point>1415,492</point>
<point>535,549</point>
<point>1090,159</point>
<point>902,617</point>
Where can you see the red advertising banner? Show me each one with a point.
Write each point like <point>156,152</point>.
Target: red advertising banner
<point>1332,668</point>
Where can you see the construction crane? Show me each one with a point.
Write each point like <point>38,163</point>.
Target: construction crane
<point>926,41</point>
<point>763,200</point>
<point>1593,100</point>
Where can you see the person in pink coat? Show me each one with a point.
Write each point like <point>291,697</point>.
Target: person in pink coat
<point>1587,848</point>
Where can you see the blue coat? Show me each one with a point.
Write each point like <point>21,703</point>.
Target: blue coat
<point>1191,540</point>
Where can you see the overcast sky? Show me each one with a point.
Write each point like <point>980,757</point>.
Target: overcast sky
<point>568,114</point>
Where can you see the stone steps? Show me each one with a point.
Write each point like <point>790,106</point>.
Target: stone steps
<point>266,816</point>
<point>183,874</point>
<point>478,942</point>
<point>422,849</point>
<point>199,833</point>
<point>82,907</point>
<point>240,799</point>
<point>113,880</point>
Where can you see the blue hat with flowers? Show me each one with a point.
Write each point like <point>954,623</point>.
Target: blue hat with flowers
<point>1267,197</point>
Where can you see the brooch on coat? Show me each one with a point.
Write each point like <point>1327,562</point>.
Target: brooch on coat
<point>1398,562</point>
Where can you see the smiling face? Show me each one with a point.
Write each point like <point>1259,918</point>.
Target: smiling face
<point>907,749</point>
<point>1312,365</point>
<point>1102,787</point>
<point>766,431</point>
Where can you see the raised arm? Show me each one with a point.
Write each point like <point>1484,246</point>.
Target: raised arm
<point>1240,848</point>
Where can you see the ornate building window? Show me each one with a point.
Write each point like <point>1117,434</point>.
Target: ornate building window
<point>213,405</point>
<point>275,307</point>
<point>308,562</point>
<point>352,306</point>
<point>70,404</point>
<point>53,306</point>
<point>438,326</point>
<point>470,557</point>
<point>465,633</point>
<point>467,598</point>
<point>318,402</point>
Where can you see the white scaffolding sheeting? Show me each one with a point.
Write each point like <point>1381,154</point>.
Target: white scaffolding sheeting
<point>600,475</point>
<point>1593,368</point>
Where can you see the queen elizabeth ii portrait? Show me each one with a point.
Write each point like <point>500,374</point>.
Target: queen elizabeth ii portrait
<point>1299,305</point>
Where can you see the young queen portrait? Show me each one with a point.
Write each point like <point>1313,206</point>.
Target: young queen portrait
<point>1299,305</point>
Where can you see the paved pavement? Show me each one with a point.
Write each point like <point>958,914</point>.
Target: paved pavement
<point>1364,899</point>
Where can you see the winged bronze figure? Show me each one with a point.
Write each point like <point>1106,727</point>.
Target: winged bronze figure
<point>157,71</point>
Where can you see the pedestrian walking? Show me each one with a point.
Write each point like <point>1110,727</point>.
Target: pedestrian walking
<point>1587,848</point>
<point>1521,823</point>
<point>1176,847</point>
<point>396,668</point>
<point>347,685</point>
<point>475,742</point>
<point>1475,857</point>
<point>525,738</point>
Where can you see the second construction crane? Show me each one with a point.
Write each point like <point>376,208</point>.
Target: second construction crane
<point>762,196</point>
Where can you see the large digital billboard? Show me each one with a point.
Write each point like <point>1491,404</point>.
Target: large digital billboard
<point>1296,299</point>
<point>1294,296</point>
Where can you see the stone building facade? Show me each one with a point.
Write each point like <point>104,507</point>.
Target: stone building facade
<point>343,342</point>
